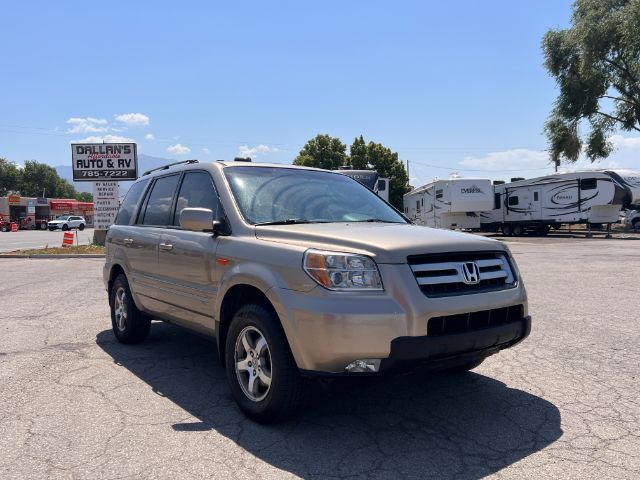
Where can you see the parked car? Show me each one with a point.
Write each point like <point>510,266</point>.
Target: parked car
<point>5,225</point>
<point>66,222</point>
<point>632,219</point>
<point>299,272</point>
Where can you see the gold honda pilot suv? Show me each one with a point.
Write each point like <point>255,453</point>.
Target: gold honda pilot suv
<point>299,272</point>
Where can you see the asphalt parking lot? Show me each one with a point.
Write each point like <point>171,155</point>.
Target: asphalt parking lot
<point>563,404</point>
<point>28,239</point>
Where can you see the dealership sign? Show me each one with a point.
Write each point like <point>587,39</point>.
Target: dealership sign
<point>104,161</point>
<point>105,204</point>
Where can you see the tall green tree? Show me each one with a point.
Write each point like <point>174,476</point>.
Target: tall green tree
<point>9,177</point>
<point>84,196</point>
<point>358,154</point>
<point>36,178</point>
<point>386,162</point>
<point>596,64</point>
<point>323,151</point>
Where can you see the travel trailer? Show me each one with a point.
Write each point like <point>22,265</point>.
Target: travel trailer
<point>537,204</point>
<point>630,182</point>
<point>371,180</point>
<point>454,203</point>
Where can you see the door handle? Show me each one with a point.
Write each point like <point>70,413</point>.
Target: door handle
<point>128,241</point>
<point>166,246</point>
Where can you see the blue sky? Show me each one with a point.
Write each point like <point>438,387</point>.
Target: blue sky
<point>451,86</point>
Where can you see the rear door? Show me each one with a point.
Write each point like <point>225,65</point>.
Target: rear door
<point>187,258</point>
<point>144,238</point>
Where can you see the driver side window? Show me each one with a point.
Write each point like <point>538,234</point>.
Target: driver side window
<point>196,191</point>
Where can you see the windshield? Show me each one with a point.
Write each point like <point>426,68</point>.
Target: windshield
<point>286,195</point>
<point>63,217</point>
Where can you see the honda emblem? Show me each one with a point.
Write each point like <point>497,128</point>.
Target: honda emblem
<point>470,273</point>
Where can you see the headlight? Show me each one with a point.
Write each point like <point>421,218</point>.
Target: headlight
<point>342,271</point>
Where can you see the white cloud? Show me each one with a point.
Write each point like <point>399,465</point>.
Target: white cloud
<point>178,149</point>
<point>246,151</point>
<point>133,119</point>
<point>87,125</point>
<point>105,139</point>
<point>206,151</point>
<point>149,136</point>
<point>516,159</point>
<point>620,141</point>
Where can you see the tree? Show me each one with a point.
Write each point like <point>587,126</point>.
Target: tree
<point>84,197</point>
<point>596,64</point>
<point>36,178</point>
<point>9,176</point>
<point>323,151</point>
<point>381,159</point>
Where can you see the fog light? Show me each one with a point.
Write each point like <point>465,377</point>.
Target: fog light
<point>366,365</point>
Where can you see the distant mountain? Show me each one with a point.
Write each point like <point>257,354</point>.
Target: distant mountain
<point>145,162</point>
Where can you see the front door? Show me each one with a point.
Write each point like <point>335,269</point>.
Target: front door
<point>187,259</point>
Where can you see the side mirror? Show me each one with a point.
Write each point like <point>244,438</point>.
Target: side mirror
<point>197,219</point>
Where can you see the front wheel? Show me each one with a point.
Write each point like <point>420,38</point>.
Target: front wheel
<point>65,227</point>
<point>51,229</point>
<point>129,324</point>
<point>262,373</point>
<point>636,224</point>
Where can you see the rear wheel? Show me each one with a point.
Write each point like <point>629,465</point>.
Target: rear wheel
<point>262,373</point>
<point>517,230</point>
<point>506,229</point>
<point>43,226</point>
<point>636,224</point>
<point>129,324</point>
<point>81,227</point>
<point>5,228</point>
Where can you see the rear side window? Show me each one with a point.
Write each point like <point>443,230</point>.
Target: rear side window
<point>158,211</point>
<point>196,191</point>
<point>131,202</point>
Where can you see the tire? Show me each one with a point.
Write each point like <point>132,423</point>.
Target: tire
<point>253,325</point>
<point>636,224</point>
<point>517,230</point>
<point>51,229</point>
<point>506,230</point>
<point>81,227</point>
<point>133,326</point>
<point>466,366</point>
<point>5,229</point>
<point>65,227</point>
<point>43,226</point>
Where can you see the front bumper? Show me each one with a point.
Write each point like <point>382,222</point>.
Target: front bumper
<point>328,330</point>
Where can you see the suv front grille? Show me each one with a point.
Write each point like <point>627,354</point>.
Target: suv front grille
<point>444,274</point>
<point>468,322</point>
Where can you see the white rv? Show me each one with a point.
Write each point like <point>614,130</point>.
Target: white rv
<point>630,182</point>
<point>454,203</point>
<point>537,204</point>
<point>370,179</point>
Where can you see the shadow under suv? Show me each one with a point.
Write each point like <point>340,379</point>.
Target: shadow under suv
<point>303,272</point>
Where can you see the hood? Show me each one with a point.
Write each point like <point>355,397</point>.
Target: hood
<point>385,242</point>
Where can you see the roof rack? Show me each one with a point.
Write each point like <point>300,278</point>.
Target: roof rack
<point>166,167</point>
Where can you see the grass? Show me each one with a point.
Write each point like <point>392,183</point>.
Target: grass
<point>76,250</point>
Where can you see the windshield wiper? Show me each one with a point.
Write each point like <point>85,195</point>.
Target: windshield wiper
<point>288,221</point>
<point>377,220</point>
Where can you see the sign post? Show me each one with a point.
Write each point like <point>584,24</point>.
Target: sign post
<point>104,164</point>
